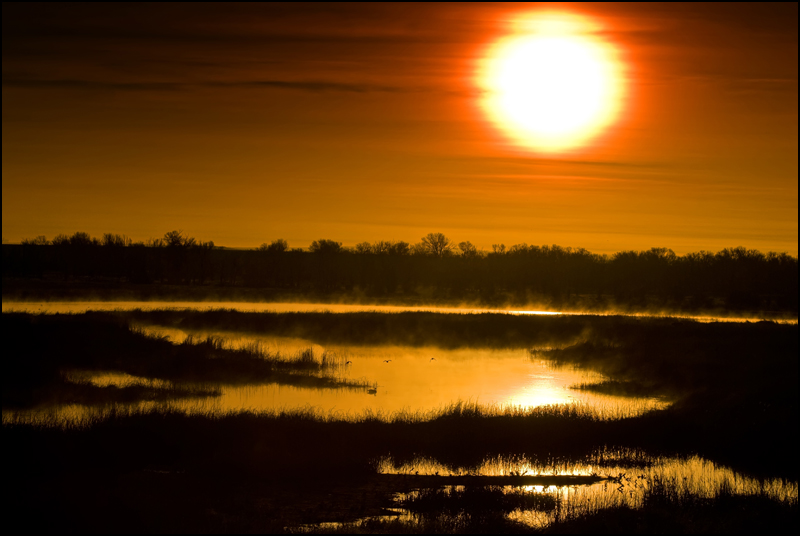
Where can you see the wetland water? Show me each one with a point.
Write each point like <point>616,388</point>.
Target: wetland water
<point>399,378</point>
<point>62,307</point>
<point>634,475</point>
<point>423,379</point>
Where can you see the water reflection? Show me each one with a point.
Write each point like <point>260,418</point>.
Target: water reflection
<point>631,476</point>
<point>53,307</point>
<point>405,379</point>
<point>422,379</point>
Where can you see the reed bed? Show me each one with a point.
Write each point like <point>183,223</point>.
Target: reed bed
<point>45,352</point>
<point>738,417</point>
<point>305,447</point>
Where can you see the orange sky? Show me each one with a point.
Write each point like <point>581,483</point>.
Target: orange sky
<point>246,123</point>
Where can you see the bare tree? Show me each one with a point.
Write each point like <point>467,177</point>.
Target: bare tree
<point>436,244</point>
<point>82,239</point>
<point>519,249</point>
<point>364,247</point>
<point>117,240</point>
<point>399,248</point>
<point>61,240</point>
<point>276,246</point>
<point>177,239</point>
<point>325,246</point>
<point>468,250</point>
<point>40,240</point>
<point>381,247</point>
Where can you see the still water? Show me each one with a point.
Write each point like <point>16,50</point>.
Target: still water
<point>400,379</point>
<point>52,307</point>
<point>421,380</point>
<point>633,475</point>
<point>408,379</point>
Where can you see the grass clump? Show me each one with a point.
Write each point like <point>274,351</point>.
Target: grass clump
<point>475,501</point>
<point>40,350</point>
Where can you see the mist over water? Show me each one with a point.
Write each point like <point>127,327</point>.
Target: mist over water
<point>398,364</point>
<point>405,378</point>
<point>67,307</point>
<point>399,378</point>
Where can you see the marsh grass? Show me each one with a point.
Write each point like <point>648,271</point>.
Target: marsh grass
<point>689,362</point>
<point>690,495</point>
<point>462,438</point>
<point>666,508</point>
<point>615,388</point>
<point>42,349</point>
<point>474,501</point>
<point>724,367</point>
<point>735,388</point>
<point>312,450</point>
<point>88,393</point>
<point>733,384</point>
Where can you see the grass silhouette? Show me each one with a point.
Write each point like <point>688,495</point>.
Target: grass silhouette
<point>43,348</point>
<point>735,387</point>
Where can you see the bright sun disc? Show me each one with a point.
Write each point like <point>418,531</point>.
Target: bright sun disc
<point>551,85</point>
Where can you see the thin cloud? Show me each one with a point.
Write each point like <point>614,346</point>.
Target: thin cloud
<point>308,85</point>
<point>534,161</point>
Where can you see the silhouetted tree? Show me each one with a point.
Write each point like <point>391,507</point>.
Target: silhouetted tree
<point>468,250</point>
<point>40,240</point>
<point>381,247</point>
<point>276,246</point>
<point>177,239</point>
<point>117,240</point>
<point>517,249</point>
<point>435,244</point>
<point>399,248</point>
<point>60,240</point>
<point>363,247</point>
<point>325,246</point>
<point>82,239</point>
<point>736,278</point>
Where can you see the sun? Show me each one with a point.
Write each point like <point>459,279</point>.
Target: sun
<point>552,85</point>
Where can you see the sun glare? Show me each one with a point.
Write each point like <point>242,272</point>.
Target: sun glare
<point>551,85</point>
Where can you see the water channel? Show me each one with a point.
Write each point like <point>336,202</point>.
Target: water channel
<point>420,380</point>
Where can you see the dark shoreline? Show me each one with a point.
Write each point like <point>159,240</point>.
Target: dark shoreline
<point>735,386</point>
<point>730,282</point>
<point>16,290</point>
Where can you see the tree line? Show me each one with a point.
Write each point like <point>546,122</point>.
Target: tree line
<point>435,268</point>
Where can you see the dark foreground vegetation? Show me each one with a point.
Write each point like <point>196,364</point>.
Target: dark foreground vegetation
<point>40,351</point>
<point>664,511</point>
<point>434,271</point>
<point>733,383</point>
<point>166,471</point>
<point>735,387</point>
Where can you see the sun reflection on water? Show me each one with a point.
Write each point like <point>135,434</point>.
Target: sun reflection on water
<point>630,476</point>
<point>406,378</point>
